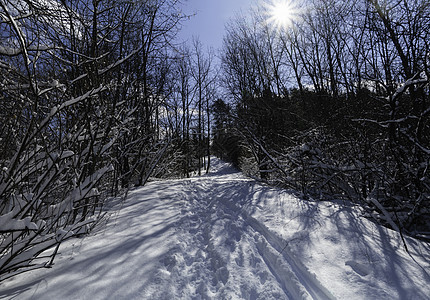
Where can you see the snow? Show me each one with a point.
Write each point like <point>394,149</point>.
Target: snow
<point>8,223</point>
<point>8,51</point>
<point>225,236</point>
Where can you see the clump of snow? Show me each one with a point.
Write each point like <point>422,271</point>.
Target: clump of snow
<point>9,223</point>
<point>225,236</point>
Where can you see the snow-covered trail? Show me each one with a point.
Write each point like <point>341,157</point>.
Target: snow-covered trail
<point>235,249</point>
<point>224,236</point>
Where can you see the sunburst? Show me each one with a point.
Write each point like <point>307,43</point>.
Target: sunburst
<point>282,13</point>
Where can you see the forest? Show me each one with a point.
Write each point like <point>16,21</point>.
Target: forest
<point>98,97</point>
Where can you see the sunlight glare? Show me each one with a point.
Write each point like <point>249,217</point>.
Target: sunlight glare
<point>282,13</point>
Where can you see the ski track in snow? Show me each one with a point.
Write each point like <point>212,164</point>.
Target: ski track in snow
<point>222,236</point>
<point>216,206</point>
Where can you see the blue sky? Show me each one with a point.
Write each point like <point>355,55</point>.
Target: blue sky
<point>211,16</point>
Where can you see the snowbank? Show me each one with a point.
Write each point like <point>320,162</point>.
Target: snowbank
<point>224,236</point>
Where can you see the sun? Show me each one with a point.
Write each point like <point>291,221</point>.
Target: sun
<point>282,13</point>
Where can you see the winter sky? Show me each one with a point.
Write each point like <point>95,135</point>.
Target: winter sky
<point>211,15</point>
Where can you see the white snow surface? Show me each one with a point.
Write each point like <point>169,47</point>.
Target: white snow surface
<point>225,236</point>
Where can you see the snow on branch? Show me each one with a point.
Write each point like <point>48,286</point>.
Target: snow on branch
<point>119,62</point>
<point>408,83</point>
<point>384,212</point>
<point>415,142</point>
<point>9,51</point>
<point>9,223</point>
<point>73,101</point>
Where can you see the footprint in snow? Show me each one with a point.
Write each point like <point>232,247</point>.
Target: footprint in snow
<point>169,262</point>
<point>360,269</point>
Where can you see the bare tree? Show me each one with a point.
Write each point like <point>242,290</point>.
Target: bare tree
<point>358,124</point>
<point>75,113</point>
<point>203,79</point>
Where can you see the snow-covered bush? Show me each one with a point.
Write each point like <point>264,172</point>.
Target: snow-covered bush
<point>79,114</point>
